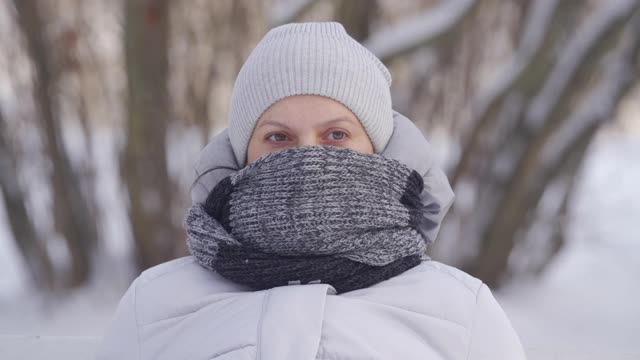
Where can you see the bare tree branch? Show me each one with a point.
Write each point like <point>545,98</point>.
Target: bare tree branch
<point>621,72</point>
<point>577,59</point>
<point>540,33</point>
<point>426,29</point>
<point>499,237</point>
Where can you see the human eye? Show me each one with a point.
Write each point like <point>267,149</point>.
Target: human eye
<point>337,135</point>
<point>277,137</point>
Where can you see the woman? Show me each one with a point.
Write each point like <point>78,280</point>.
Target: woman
<point>309,223</point>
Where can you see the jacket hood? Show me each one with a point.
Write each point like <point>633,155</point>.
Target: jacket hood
<point>407,145</point>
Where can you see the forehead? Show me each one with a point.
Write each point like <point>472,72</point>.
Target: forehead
<point>306,110</point>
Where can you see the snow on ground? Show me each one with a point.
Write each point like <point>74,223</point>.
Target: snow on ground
<point>587,300</point>
<point>586,303</point>
<point>84,311</point>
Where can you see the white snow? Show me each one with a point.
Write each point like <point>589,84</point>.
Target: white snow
<point>12,278</point>
<point>587,300</point>
<point>47,347</point>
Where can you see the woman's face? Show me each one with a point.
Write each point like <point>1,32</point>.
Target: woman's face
<point>305,120</point>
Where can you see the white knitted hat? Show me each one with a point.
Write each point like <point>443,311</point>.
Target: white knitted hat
<point>311,59</point>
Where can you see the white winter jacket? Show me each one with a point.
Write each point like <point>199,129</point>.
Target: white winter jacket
<point>181,311</point>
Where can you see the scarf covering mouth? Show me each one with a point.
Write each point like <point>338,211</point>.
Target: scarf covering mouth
<point>316,214</point>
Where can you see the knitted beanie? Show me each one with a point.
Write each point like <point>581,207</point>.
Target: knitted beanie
<point>317,58</point>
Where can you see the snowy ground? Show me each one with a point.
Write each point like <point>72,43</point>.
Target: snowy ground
<point>584,307</point>
<point>587,301</point>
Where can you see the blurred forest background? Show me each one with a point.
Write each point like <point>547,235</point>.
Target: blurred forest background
<point>105,105</point>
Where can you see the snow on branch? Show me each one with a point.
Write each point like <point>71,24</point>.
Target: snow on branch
<point>536,40</point>
<point>574,136</point>
<point>550,152</point>
<point>424,29</point>
<point>582,50</point>
<point>620,73</point>
<point>535,29</point>
<point>287,11</point>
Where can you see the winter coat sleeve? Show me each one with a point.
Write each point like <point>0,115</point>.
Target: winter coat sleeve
<point>121,338</point>
<point>492,336</point>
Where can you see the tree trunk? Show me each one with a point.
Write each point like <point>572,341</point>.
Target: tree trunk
<point>144,165</point>
<point>71,212</point>
<point>32,248</point>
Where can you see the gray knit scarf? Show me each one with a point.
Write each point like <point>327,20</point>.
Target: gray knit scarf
<point>317,214</point>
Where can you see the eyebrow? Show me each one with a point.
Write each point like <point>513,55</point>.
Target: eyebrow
<point>273,123</point>
<point>277,123</point>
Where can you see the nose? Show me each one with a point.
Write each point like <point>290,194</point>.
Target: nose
<point>308,140</point>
